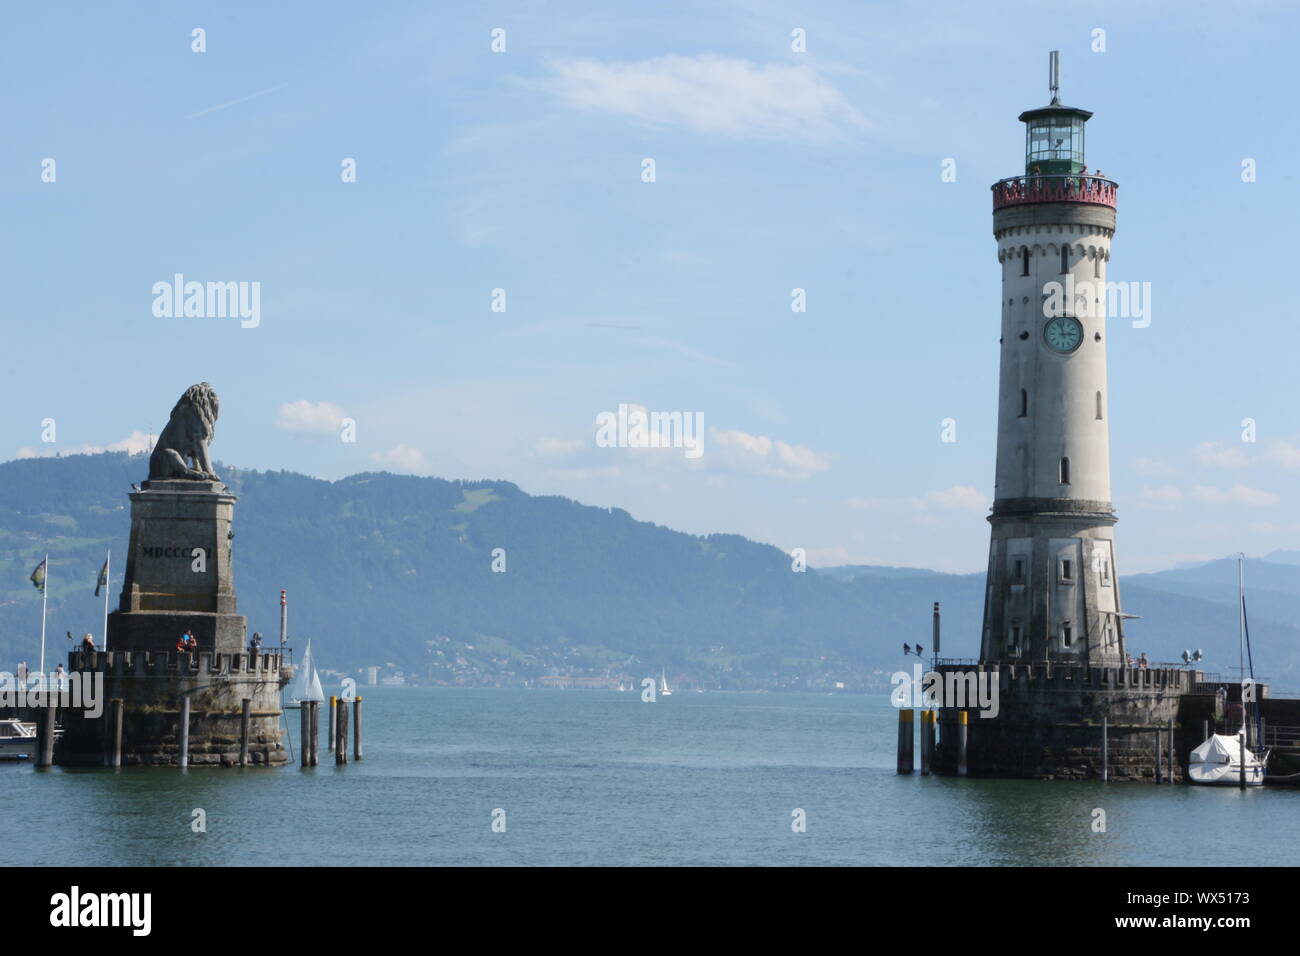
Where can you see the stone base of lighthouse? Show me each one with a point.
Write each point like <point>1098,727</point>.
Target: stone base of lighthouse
<point>1049,723</point>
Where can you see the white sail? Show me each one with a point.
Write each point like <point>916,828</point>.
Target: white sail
<point>306,683</point>
<point>314,691</point>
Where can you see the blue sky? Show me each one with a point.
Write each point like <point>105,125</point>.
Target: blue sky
<point>775,170</point>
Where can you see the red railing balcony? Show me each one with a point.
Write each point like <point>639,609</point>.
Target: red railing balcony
<point>1021,190</point>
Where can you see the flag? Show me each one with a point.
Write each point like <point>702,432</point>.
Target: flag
<point>103,578</point>
<point>38,576</point>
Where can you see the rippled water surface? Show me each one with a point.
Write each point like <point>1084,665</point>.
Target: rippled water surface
<point>598,777</point>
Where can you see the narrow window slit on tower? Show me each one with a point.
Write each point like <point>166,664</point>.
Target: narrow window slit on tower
<point>1024,403</point>
<point>1065,259</point>
<point>1065,471</point>
<point>1098,406</point>
<point>1024,258</point>
<point>1096,266</point>
<point>1067,634</point>
<point>1066,570</point>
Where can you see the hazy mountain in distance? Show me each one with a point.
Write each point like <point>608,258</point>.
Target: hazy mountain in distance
<point>388,569</point>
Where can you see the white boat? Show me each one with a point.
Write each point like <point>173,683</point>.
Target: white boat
<point>306,683</point>
<point>663,685</point>
<point>17,740</point>
<point>1219,761</point>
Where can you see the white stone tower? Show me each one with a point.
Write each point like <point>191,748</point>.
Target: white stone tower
<point>1052,591</point>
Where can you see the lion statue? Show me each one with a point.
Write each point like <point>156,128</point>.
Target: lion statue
<point>186,437</point>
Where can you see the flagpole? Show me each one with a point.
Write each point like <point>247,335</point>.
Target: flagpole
<point>108,574</point>
<point>45,597</point>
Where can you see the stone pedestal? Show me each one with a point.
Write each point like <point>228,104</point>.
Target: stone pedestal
<point>179,572</point>
<point>179,577</point>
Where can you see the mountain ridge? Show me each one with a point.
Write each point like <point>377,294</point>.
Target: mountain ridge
<point>396,570</point>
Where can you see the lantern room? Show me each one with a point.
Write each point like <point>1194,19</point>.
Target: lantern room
<point>1054,140</point>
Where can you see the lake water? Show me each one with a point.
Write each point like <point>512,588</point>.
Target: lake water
<point>599,777</point>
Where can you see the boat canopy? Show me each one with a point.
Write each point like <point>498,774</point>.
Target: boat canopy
<point>1219,749</point>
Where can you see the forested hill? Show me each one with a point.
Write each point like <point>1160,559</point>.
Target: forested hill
<point>391,570</point>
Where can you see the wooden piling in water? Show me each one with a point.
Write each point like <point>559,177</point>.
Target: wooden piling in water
<point>115,729</point>
<point>356,729</point>
<point>927,741</point>
<point>245,716</point>
<point>45,736</point>
<point>1159,758</point>
<point>341,743</point>
<point>315,733</point>
<point>905,741</point>
<point>963,721</point>
<point>1105,751</point>
<point>1172,757</point>
<point>183,733</point>
<point>332,737</point>
<point>304,731</point>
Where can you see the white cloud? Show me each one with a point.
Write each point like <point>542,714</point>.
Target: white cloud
<point>1285,454</point>
<point>132,444</point>
<point>767,456</point>
<point>402,458</point>
<point>956,498</point>
<point>320,418</point>
<point>710,94</point>
<point>1219,455</point>
<point>1165,497</point>
<point>558,447</point>
<point>1153,467</point>
<point>1238,494</point>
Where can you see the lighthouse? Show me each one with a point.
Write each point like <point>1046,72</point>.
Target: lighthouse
<point>1065,702</point>
<point>1052,589</point>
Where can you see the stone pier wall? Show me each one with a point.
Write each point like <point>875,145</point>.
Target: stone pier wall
<point>1049,723</point>
<point>151,686</point>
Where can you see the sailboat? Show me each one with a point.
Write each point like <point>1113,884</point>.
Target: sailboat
<point>663,684</point>
<point>1221,760</point>
<point>306,684</point>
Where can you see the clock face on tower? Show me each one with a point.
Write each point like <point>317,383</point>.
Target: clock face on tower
<point>1063,333</point>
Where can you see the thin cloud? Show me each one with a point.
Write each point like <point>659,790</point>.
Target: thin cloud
<point>242,99</point>
<point>321,418</point>
<point>710,94</point>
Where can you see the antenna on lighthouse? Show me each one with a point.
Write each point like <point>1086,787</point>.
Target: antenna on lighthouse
<point>1054,76</point>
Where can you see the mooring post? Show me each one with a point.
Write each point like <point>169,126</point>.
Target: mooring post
<point>341,744</point>
<point>332,737</point>
<point>304,731</point>
<point>1241,744</point>
<point>45,740</point>
<point>1105,749</point>
<point>116,706</point>
<point>963,720</point>
<point>1159,758</point>
<point>245,715</point>
<point>183,733</point>
<point>356,729</point>
<point>1172,758</point>
<point>905,737</point>
<point>315,733</point>
<point>927,741</point>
